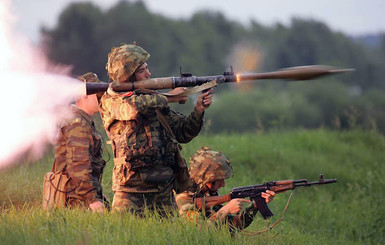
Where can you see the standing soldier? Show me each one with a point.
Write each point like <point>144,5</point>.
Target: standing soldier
<point>208,171</point>
<point>145,134</point>
<point>78,154</point>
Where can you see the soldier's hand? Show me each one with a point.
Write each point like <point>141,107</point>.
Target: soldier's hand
<point>268,196</point>
<point>97,207</point>
<point>235,205</point>
<point>204,101</point>
<point>176,91</point>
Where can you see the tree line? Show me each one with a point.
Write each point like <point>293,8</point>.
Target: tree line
<point>208,43</point>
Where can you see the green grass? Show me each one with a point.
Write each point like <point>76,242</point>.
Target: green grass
<point>352,211</point>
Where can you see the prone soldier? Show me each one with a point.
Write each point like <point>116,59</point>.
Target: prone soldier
<point>208,171</point>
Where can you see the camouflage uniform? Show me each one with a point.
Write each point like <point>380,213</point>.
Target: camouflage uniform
<point>78,150</point>
<point>208,166</point>
<point>144,153</point>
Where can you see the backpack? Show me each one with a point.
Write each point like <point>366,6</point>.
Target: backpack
<point>55,189</point>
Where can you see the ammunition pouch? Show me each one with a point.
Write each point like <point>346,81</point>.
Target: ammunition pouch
<point>157,175</point>
<point>135,174</point>
<point>137,158</point>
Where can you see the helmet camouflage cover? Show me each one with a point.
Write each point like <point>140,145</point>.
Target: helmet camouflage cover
<point>208,166</point>
<point>89,77</point>
<point>124,60</point>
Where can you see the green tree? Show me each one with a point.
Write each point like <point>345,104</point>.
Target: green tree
<point>207,42</point>
<point>75,41</point>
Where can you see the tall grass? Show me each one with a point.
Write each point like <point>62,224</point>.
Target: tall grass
<point>352,211</point>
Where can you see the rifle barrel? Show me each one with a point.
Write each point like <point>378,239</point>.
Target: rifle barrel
<point>320,182</point>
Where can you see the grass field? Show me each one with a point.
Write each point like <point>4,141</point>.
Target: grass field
<point>352,211</point>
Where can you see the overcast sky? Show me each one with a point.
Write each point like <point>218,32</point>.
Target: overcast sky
<point>353,17</point>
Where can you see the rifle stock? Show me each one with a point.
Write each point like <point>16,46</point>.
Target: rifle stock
<point>290,74</point>
<point>211,201</point>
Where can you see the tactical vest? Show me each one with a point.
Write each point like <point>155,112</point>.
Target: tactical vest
<point>143,152</point>
<point>142,142</point>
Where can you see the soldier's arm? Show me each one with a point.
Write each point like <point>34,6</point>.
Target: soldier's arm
<point>186,206</point>
<point>145,103</point>
<point>184,128</point>
<point>229,210</point>
<point>194,120</point>
<point>188,210</point>
<point>126,106</point>
<point>244,219</point>
<point>78,141</point>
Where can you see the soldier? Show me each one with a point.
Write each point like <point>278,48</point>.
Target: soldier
<point>145,134</point>
<point>208,171</point>
<point>78,151</point>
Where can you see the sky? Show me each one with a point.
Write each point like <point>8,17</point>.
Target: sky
<point>352,17</point>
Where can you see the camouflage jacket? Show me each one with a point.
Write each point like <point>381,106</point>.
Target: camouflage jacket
<point>78,150</point>
<point>144,153</point>
<point>187,208</point>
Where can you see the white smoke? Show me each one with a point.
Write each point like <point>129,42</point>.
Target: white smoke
<point>34,94</point>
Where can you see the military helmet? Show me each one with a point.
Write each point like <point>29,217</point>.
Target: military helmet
<point>208,166</point>
<point>124,60</point>
<point>89,77</point>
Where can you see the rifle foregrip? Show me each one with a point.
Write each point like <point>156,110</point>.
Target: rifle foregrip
<point>263,208</point>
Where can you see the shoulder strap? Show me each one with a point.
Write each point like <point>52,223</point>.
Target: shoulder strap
<point>164,123</point>
<point>195,89</point>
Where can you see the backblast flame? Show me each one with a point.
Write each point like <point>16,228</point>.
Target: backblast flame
<point>33,99</point>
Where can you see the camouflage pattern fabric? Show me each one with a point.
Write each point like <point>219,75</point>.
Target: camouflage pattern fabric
<point>187,208</point>
<point>78,150</point>
<point>214,215</point>
<point>124,60</point>
<point>162,202</point>
<point>89,77</point>
<point>144,153</point>
<point>207,166</point>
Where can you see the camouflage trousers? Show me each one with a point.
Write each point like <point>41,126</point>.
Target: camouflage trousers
<point>73,202</point>
<point>161,202</point>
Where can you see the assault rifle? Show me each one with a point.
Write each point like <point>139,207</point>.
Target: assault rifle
<point>254,193</point>
<point>188,80</point>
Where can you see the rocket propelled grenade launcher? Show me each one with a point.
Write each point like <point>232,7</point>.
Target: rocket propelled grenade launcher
<point>188,80</point>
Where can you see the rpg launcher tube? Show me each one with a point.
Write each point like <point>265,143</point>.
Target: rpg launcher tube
<point>289,74</point>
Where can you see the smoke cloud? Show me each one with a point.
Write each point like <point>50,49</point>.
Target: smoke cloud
<point>34,94</point>
<point>246,58</point>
